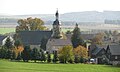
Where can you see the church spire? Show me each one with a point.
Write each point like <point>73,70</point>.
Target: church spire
<point>57,15</point>
<point>56,27</point>
<point>76,25</point>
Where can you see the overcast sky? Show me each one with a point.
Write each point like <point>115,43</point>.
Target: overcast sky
<point>20,7</point>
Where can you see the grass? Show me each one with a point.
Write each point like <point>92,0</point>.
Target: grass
<point>6,30</point>
<point>8,66</point>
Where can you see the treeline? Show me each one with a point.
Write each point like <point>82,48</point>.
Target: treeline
<point>64,55</point>
<point>16,52</point>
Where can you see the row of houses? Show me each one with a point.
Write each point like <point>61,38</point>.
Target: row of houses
<point>109,54</point>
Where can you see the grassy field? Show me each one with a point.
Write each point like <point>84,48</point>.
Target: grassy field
<point>6,30</point>
<point>8,66</point>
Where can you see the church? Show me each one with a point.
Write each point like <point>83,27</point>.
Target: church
<point>58,38</point>
<point>55,38</point>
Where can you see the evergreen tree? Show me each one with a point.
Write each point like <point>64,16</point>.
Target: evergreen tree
<point>48,58</point>
<point>35,54</point>
<point>43,43</point>
<point>81,60</point>
<point>3,53</point>
<point>17,43</point>
<point>26,54</point>
<point>43,57</point>
<point>76,37</point>
<point>8,54</point>
<point>77,59</point>
<point>55,59</point>
<point>8,43</point>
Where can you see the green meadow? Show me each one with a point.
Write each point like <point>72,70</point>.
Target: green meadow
<point>9,66</point>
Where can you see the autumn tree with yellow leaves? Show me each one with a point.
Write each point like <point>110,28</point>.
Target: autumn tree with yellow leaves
<point>80,53</point>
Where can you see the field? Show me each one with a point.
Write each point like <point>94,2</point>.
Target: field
<point>6,30</point>
<point>8,66</point>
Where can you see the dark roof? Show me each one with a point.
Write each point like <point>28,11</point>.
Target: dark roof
<point>84,36</point>
<point>59,42</point>
<point>56,22</point>
<point>87,36</point>
<point>1,39</point>
<point>96,51</point>
<point>114,49</point>
<point>102,46</point>
<point>33,37</point>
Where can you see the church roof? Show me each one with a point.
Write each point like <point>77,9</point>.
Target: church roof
<point>33,37</point>
<point>59,42</point>
<point>56,22</point>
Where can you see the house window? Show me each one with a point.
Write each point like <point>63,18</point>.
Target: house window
<point>116,57</point>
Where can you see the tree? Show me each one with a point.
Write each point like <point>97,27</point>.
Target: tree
<point>19,56</point>
<point>80,53</point>
<point>68,32</point>
<point>43,43</point>
<point>26,54</point>
<point>76,37</point>
<point>42,56</point>
<point>66,54</point>
<point>8,54</point>
<point>98,39</point>
<point>55,57</point>
<point>115,32</point>
<point>35,54</point>
<point>3,53</point>
<point>30,24</point>
<point>77,59</point>
<point>48,58</point>
<point>17,43</point>
<point>13,55</point>
<point>8,43</point>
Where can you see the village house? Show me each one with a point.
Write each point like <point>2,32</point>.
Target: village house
<point>113,54</point>
<point>3,39</point>
<point>109,54</point>
<point>97,52</point>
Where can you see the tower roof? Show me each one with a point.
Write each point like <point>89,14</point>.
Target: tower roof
<point>57,14</point>
<point>76,25</point>
<point>56,22</point>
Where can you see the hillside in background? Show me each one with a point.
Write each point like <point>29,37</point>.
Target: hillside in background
<point>86,16</point>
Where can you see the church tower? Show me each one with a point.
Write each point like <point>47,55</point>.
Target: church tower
<point>57,27</point>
